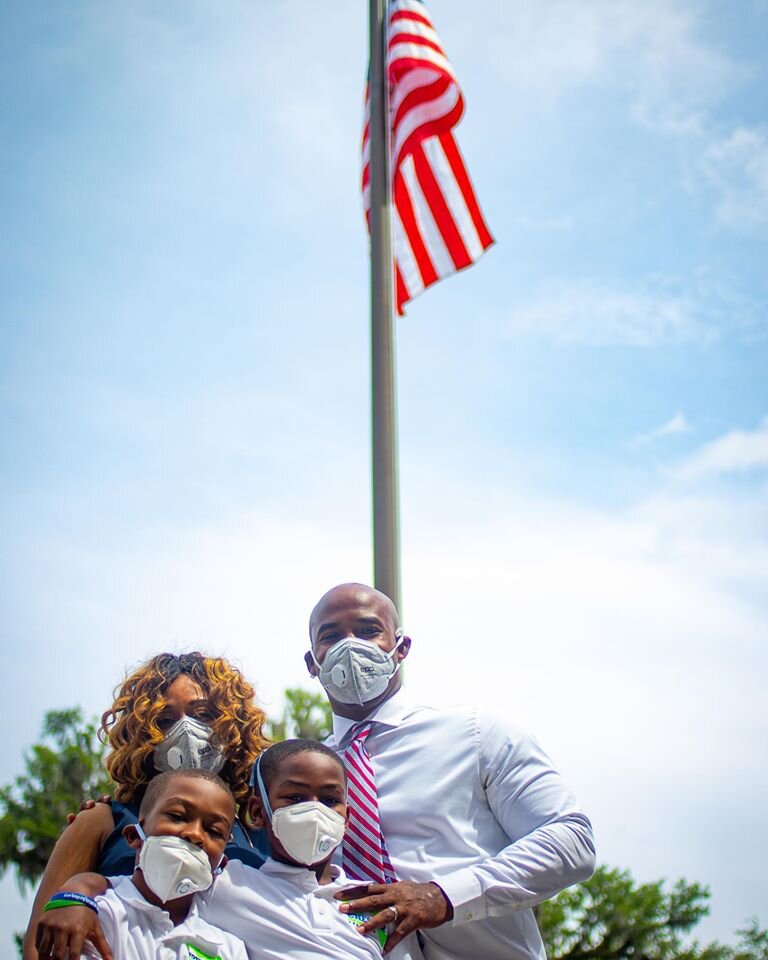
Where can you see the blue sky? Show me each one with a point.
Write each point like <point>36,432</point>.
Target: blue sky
<point>583,415</point>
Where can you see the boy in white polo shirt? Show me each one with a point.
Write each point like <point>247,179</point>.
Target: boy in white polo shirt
<point>184,822</point>
<point>287,909</point>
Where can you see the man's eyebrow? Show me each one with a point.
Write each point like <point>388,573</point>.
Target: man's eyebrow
<point>325,626</point>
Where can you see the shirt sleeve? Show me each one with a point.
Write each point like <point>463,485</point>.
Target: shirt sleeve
<point>551,844</point>
<point>109,921</point>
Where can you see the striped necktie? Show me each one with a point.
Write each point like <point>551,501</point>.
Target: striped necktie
<point>364,851</point>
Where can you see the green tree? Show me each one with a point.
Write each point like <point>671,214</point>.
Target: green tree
<point>305,715</point>
<point>59,771</point>
<point>610,917</point>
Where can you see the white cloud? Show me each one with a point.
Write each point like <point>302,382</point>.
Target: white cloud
<point>738,452</point>
<point>675,425</point>
<point>737,166</point>
<point>652,51</point>
<point>593,316</point>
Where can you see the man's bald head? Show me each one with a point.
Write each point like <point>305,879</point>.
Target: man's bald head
<point>356,611</point>
<point>346,595</point>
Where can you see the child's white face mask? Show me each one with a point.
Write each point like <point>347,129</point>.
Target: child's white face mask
<point>308,831</point>
<point>189,744</point>
<point>172,867</point>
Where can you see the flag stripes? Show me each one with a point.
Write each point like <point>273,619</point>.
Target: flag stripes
<point>437,225</point>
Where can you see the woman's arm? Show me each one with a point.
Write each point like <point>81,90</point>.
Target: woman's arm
<point>77,851</point>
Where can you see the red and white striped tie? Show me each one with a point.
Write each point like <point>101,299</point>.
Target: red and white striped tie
<point>364,851</point>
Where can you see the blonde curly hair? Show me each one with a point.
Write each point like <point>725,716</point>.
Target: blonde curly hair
<point>131,729</point>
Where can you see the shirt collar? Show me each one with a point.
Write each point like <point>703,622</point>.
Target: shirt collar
<point>390,713</point>
<point>302,876</point>
<point>127,891</point>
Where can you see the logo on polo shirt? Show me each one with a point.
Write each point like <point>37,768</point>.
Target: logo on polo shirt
<point>195,953</point>
<point>358,919</point>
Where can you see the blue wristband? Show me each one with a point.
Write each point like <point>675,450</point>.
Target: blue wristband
<point>67,898</point>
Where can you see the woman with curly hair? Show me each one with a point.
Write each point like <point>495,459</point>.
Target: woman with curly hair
<point>171,712</point>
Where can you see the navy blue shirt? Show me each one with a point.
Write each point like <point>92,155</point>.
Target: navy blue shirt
<point>118,859</point>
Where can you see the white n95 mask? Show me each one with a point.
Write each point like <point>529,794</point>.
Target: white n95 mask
<point>189,744</point>
<point>309,831</point>
<point>357,671</point>
<point>172,867</point>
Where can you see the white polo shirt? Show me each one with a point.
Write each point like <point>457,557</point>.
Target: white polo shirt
<point>138,930</point>
<point>282,912</point>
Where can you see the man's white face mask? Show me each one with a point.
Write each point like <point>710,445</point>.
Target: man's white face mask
<point>172,867</point>
<point>356,671</point>
<point>189,744</point>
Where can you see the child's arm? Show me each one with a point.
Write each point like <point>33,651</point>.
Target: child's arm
<point>64,932</point>
<point>76,850</point>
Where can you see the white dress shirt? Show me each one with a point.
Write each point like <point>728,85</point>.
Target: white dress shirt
<point>475,805</point>
<point>138,930</point>
<point>282,912</point>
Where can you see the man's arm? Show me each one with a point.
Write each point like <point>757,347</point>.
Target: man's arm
<point>554,845</point>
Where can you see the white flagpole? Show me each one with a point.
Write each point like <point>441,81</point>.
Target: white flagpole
<point>386,533</point>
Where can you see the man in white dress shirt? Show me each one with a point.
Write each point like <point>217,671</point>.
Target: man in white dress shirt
<point>478,825</point>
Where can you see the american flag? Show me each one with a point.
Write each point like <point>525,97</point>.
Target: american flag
<point>437,225</point>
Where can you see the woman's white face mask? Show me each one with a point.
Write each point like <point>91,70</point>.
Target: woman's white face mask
<point>189,744</point>
<point>356,671</point>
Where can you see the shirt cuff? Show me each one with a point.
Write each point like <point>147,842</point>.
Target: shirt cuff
<point>465,893</point>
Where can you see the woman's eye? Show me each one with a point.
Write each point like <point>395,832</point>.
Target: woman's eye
<point>332,802</point>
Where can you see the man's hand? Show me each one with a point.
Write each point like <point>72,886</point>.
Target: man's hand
<point>62,933</point>
<point>407,906</point>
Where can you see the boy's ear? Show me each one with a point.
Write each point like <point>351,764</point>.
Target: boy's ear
<point>132,837</point>
<point>256,812</point>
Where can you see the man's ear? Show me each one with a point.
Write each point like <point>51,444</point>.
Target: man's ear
<point>132,838</point>
<point>404,649</point>
<point>310,662</point>
<point>256,812</point>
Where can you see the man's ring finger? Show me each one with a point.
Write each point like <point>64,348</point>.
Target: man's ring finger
<point>393,908</point>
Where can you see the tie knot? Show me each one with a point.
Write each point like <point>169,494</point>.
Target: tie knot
<point>360,733</point>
